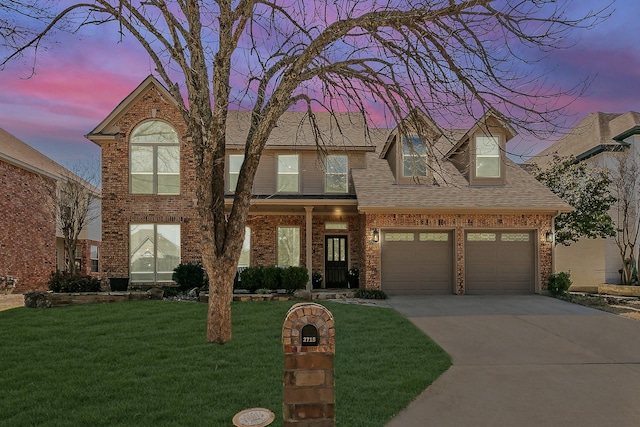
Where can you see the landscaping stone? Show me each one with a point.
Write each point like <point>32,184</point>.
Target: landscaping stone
<point>155,293</point>
<point>36,300</point>
<point>302,294</point>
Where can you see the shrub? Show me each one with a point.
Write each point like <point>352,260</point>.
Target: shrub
<point>170,291</point>
<point>370,294</point>
<point>559,283</point>
<point>188,276</point>
<point>69,283</point>
<point>251,278</point>
<point>294,278</point>
<point>272,278</point>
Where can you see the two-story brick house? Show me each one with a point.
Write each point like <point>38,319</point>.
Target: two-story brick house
<point>31,242</point>
<point>450,216</point>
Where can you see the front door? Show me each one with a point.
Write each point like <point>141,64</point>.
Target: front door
<point>336,261</point>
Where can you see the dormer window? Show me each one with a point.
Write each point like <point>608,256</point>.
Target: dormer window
<point>414,157</point>
<point>488,157</point>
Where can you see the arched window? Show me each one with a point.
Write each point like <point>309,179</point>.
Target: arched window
<point>155,159</point>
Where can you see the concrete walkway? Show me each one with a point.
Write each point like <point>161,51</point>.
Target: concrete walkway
<point>525,361</point>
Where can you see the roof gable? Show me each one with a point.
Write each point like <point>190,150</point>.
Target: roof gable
<point>415,122</point>
<point>106,127</point>
<point>490,119</point>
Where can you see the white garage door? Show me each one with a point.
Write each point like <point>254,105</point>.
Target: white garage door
<point>417,262</point>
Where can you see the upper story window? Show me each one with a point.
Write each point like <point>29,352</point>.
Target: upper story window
<point>488,157</point>
<point>336,175</point>
<point>288,173</point>
<point>155,159</point>
<point>414,157</point>
<point>235,163</point>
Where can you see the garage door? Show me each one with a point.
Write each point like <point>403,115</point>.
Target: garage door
<point>499,262</point>
<point>417,262</point>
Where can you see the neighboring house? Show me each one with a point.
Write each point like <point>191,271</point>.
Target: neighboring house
<point>30,246</point>
<point>455,216</point>
<point>595,140</point>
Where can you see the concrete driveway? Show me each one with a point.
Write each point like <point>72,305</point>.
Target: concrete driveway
<point>525,361</point>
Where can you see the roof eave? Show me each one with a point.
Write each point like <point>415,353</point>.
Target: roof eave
<point>626,134</point>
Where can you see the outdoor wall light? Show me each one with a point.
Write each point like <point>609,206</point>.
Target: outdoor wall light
<point>549,236</point>
<point>376,235</point>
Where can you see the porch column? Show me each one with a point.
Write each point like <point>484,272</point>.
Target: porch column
<point>309,245</point>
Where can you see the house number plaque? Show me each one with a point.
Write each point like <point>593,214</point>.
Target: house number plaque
<point>309,335</point>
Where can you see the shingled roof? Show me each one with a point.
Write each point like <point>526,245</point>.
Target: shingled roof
<point>294,129</point>
<point>597,132</point>
<point>18,153</point>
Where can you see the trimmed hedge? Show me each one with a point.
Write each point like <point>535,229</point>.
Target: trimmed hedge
<point>272,278</point>
<point>64,282</point>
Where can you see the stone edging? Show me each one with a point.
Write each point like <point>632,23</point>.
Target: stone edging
<point>616,290</point>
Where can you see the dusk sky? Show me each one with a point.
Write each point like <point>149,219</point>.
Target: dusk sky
<point>78,82</point>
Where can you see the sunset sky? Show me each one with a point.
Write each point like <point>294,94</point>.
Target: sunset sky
<point>78,82</point>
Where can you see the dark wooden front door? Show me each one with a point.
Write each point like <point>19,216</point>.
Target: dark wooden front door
<point>336,261</point>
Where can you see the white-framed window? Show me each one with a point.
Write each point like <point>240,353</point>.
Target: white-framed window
<point>288,246</point>
<point>336,174</point>
<point>288,173</point>
<point>154,159</point>
<point>336,226</point>
<point>399,237</point>
<point>94,256</point>
<point>414,157</point>
<point>235,163</point>
<point>514,237</point>
<point>434,237</point>
<point>245,255</point>
<point>154,251</point>
<point>481,237</point>
<point>487,157</point>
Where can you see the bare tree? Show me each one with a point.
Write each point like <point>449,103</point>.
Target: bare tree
<point>77,205</point>
<point>452,59</point>
<point>626,189</point>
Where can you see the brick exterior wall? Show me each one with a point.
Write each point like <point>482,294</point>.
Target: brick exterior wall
<point>27,227</point>
<point>120,208</point>
<point>459,223</point>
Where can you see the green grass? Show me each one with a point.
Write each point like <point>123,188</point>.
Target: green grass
<point>147,363</point>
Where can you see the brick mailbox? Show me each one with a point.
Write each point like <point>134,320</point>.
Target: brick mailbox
<point>308,337</point>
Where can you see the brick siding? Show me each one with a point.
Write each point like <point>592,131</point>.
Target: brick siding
<point>27,227</point>
<point>120,208</point>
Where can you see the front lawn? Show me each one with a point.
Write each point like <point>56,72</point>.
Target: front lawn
<point>147,363</point>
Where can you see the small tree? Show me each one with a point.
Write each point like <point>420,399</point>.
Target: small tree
<point>586,188</point>
<point>626,188</point>
<point>76,206</point>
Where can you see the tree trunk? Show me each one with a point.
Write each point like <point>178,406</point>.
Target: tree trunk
<point>221,276</point>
